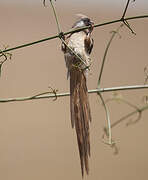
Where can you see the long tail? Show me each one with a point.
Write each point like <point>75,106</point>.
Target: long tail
<point>80,115</point>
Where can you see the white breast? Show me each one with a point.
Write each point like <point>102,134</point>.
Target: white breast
<point>76,42</point>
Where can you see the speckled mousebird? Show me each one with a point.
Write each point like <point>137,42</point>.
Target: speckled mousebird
<point>80,45</point>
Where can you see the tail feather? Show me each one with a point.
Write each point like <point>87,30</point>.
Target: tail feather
<point>80,115</point>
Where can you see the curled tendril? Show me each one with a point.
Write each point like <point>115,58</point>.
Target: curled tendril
<point>54,91</point>
<point>4,56</point>
<point>112,144</point>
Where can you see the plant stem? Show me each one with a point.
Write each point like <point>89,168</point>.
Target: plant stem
<point>71,31</point>
<point>53,95</point>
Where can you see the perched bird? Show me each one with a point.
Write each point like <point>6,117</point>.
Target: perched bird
<point>77,48</point>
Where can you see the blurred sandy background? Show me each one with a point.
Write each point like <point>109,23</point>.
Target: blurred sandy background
<point>36,138</point>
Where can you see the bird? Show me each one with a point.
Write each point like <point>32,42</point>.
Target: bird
<point>77,47</point>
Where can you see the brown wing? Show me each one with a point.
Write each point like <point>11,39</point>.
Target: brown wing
<point>63,46</point>
<point>88,42</point>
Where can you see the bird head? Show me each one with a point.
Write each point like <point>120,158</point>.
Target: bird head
<point>82,22</point>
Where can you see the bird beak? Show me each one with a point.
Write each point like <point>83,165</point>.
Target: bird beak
<point>91,26</point>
